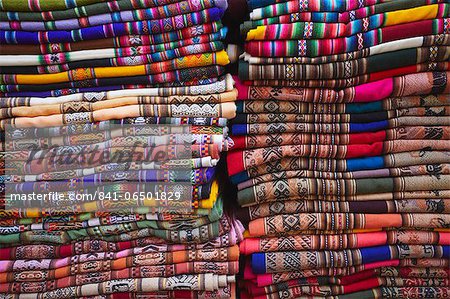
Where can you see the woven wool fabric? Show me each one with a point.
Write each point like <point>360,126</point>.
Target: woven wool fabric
<point>403,133</point>
<point>226,110</point>
<point>337,17</point>
<point>253,107</point>
<point>270,191</point>
<point>100,7</point>
<point>224,84</point>
<point>84,78</point>
<point>66,103</point>
<point>284,261</point>
<point>340,128</point>
<point>378,206</point>
<point>349,68</point>
<point>123,232</point>
<point>336,242</point>
<point>92,70</point>
<point>354,81</point>
<point>274,278</point>
<point>23,5</point>
<point>115,29</point>
<point>197,176</point>
<point>335,221</point>
<point>335,5</point>
<point>312,30</point>
<point>176,22</point>
<point>412,84</point>
<point>80,247</point>
<point>207,50</point>
<point>411,170</point>
<point>118,262</point>
<point>399,45</point>
<point>191,61</point>
<point>331,115</point>
<point>293,7</point>
<point>125,12</point>
<point>135,42</point>
<point>320,201</point>
<point>386,161</point>
<point>201,282</point>
<point>313,48</point>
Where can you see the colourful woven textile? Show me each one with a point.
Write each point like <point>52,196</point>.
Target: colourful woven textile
<point>208,49</point>
<point>337,17</point>
<point>100,7</point>
<point>135,42</point>
<point>312,30</point>
<point>413,84</point>
<point>293,7</point>
<point>337,242</point>
<point>113,30</point>
<point>124,12</point>
<point>191,61</point>
<point>37,5</point>
<point>349,68</point>
<point>85,79</point>
<point>313,48</point>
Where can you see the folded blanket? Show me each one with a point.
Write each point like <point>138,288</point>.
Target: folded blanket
<point>410,44</point>
<point>327,128</point>
<point>412,170</point>
<point>274,278</point>
<point>369,207</point>
<point>89,73</point>
<point>149,244</point>
<point>320,47</point>
<point>242,170</point>
<point>100,7</point>
<point>381,273</point>
<point>335,5</point>
<point>354,81</point>
<point>199,282</point>
<point>254,111</point>
<point>223,84</point>
<point>173,33</point>
<point>347,69</point>
<point>302,187</point>
<point>132,59</point>
<point>131,43</point>
<point>123,11</point>
<point>273,262</point>
<point>312,30</point>
<point>334,221</point>
<point>188,76</point>
<point>293,7</point>
<point>336,242</point>
<point>396,292</point>
<point>76,275</point>
<point>226,110</point>
<point>336,17</point>
<point>116,261</point>
<point>402,133</point>
<point>116,233</point>
<point>47,5</point>
<point>407,85</point>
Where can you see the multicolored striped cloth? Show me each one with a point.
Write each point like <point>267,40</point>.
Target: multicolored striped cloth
<point>341,142</point>
<point>120,108</point>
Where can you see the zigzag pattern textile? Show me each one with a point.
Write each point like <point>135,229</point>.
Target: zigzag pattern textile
<point>115,113</point>
<point>341,149</point>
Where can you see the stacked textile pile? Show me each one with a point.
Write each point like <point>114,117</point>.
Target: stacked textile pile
<point>90,74</point>
<point>341,155</point>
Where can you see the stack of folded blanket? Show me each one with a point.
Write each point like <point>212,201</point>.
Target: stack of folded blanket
<point>82,75</point>
<point>342,151</point>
